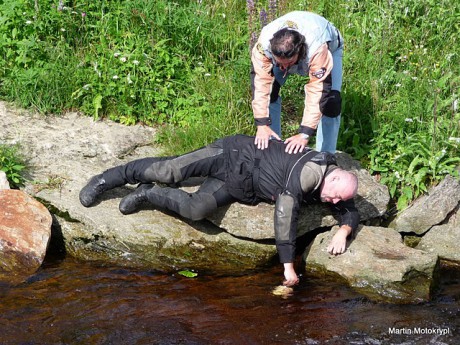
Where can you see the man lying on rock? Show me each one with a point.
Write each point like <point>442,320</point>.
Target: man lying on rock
<point>236,170</point>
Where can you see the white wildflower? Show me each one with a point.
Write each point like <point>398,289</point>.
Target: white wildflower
<point>398,85</point>
<point>28,22</point>
<point>96,70</point>
<point>116,54</point>
<point>123,59</point>
<point>414,78</point>
<point>408,119</point>
<point>115,77</point>
<point>87,86</point>
<point>207,74</point>
<point>62,29</point>
<point>136,62</point>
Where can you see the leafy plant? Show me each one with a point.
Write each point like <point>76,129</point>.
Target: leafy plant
<point>12,164</point>
<point>408,164</point>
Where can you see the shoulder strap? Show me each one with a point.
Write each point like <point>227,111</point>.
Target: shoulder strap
<point>304,158</point>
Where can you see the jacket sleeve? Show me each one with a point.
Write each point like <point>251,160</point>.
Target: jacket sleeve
<point>263,81</point>
<point>286,216</point>
<point>318,87</point>
<point>349,214</point>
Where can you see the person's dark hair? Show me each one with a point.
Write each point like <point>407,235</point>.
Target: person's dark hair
<point>287,42</point>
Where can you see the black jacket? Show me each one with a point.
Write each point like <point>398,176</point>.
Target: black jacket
<point>275,176</point>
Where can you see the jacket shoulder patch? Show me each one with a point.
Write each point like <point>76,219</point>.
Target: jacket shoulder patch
<point>319,73</point>
<point>290,24</point>
<point>260,49</point>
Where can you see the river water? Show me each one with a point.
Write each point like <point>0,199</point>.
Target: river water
<point>70,302</point>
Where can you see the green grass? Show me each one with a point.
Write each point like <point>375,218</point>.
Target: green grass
<point>183,66</point>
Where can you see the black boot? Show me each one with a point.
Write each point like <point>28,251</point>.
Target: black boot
<point>131,202</point>
<point>95,187</point>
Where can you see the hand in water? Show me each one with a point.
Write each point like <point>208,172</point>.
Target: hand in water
<point>290,276</point>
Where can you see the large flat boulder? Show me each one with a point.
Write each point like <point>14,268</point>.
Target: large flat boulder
<point>64,152</point>
<point>378,265</point>
<point>25,230</point>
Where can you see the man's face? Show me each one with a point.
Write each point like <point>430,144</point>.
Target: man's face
<point>335,190</point>
<point>285,63</point>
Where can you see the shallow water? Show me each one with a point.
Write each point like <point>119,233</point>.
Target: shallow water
<point>69,302</point>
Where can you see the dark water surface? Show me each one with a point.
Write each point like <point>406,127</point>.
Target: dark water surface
<point>68,302</point>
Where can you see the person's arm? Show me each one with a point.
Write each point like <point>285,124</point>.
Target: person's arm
<point>348,224</point>
<point>318,86</point>
<point>286,211</point>
<point>338,243</point>
<point>263,80</point>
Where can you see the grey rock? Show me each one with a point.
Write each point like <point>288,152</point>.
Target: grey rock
<point>443,240</point>
<point>431,209</point>
<point>64,152</point>
<point>378,265</point>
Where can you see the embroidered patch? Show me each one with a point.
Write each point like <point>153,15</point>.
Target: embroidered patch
<point>290,24</point>
<point>319,73</point>
<point>260,49</point>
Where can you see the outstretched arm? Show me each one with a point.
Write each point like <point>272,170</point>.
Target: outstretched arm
<point>286,211</point>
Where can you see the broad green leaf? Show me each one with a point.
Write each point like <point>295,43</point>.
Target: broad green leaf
<point>188,274</point>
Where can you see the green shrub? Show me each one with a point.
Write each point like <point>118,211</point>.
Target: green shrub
<point>12,163</point>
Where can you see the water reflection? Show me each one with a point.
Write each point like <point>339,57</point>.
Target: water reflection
<point>69,302</point>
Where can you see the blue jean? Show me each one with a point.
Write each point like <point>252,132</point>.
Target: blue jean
<point>328,127</point>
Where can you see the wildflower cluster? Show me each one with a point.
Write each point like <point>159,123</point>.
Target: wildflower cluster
<point>258,16</point>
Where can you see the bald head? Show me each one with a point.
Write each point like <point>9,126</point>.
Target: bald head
<point>339,185</point>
